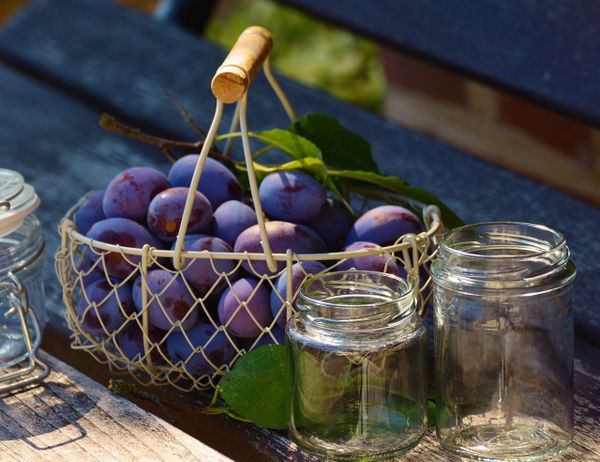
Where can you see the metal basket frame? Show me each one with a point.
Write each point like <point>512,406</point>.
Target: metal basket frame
<point>412,251</point>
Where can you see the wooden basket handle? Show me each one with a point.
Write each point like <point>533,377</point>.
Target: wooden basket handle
<point>234,76</point>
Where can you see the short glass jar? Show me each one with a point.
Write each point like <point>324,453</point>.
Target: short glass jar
<point>504,341</point>
<point>358,352</point>
<point>22,256</point>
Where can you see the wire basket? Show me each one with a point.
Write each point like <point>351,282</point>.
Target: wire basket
<point>80,258</point>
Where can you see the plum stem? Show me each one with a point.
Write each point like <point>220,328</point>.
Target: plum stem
<point>128,389</point>
<point>262,151</point>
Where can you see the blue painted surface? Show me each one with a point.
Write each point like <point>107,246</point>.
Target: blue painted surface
<point>544,50</point>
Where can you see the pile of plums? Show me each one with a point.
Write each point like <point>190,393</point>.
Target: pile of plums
<point>142,206</point>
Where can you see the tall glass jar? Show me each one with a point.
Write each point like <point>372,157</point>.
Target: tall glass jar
<point>357,349</point>
<point>504,341</point>
<point>21,259</point>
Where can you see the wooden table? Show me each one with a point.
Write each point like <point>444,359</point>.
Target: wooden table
<point>63,62</point>
<point>72,418</point>
<point>245,442</point>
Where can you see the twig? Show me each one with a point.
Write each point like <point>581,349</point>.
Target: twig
<point>111,124</point>
<point>262,151</point>
<point>124,388</point>
<point>185,114</point>
<point>167,152</point>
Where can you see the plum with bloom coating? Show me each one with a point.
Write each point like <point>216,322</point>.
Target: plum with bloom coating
<point>384,225</point>
<point>131,341</point>
<point>130,192</point>
<point>219,350</point>
<point>332,223</point>
<point>241,299</point>
<point>300,271</point>
<point>166,210</point>
<point>105,307</point>
<point>291,196</point>
<point>203,273</point>
<point>282,236</point>
<point>382,263</point>
<point>90,211</point>
<point>217,182</point>
<point>123,232</point>
<point>171,303</point>
<point>231,218</point>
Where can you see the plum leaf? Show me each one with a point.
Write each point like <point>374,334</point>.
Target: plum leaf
<point>398,186</point>
<point>314,166</point>
<point>311,165</point>
<point>431,413</point>
<point>294,145</point>
<point>340,147</point>
<point>258,387</point>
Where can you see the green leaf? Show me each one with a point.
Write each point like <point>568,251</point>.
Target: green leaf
<point>294,145</point>
<point>395,184</point>
<point>340,147</point>
<point>312,165</point>
<point>258,388</point>
<point>431,413</point>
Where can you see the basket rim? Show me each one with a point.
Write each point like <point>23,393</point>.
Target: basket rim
<point>68,227</point>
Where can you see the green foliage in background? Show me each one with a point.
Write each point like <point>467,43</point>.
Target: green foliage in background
<point>309,51</point>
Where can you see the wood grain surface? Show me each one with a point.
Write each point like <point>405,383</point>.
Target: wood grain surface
<point>72,418</point>
<point>246,442</point>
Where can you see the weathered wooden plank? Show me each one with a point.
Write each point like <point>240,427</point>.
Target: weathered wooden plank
<point>44,430</point>
<point>544,50</point>
<point>72,418</point>
<point>240,441</point>
<point>277,447</point>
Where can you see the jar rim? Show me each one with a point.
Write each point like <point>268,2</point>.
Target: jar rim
<point>558,241</point>
<point>357,300</point>
<point>406,293</point>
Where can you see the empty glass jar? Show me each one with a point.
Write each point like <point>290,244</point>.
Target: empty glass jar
<point>357,349</point>
<point>22,256</point>
<point>504,341</point>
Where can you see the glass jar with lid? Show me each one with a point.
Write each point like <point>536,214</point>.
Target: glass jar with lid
<point>504,341</point>
<point>22,253</point>
<point>357,351</point>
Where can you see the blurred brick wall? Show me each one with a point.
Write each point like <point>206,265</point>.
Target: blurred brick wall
<point>494,125</point>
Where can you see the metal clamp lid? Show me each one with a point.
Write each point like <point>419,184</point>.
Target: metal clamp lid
<point>17,200</point>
